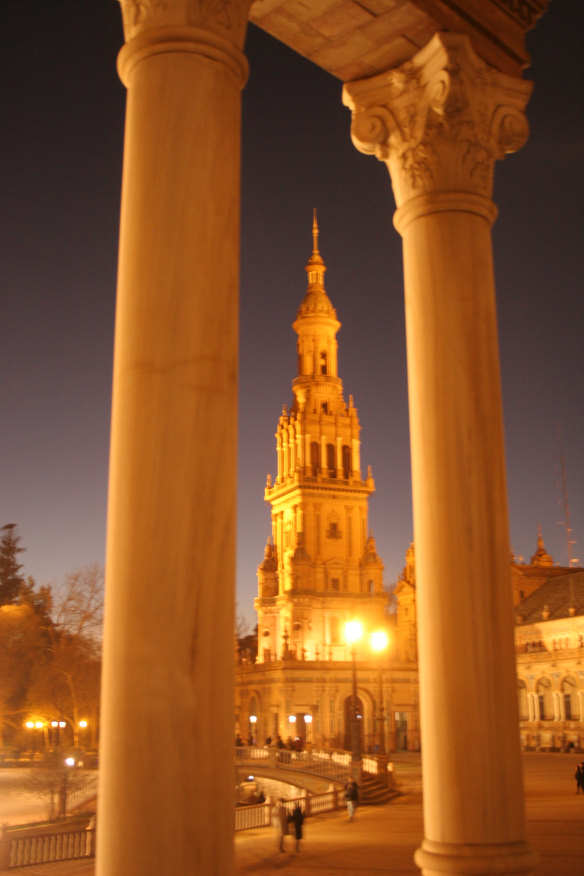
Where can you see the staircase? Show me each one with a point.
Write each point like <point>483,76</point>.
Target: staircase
<point>372,791</point>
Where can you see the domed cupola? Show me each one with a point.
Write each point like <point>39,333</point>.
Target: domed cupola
<point>316,303</point>
<point>541,556</point>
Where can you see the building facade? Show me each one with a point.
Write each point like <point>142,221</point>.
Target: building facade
<point>321,567</point>
<point>549,643</point>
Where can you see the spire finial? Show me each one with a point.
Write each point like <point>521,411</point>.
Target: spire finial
<point>539,536</point>
<point>314,233</point>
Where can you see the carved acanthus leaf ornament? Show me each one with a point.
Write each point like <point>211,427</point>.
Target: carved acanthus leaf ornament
<point>227,18</point>
<point>439,121</point>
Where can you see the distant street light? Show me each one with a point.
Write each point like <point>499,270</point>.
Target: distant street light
<point>379,642</point>
<point>69,762</point>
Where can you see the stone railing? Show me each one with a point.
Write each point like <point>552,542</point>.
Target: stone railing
<point>329,763</point>
<point>21,849</point>
<point>259,815</point>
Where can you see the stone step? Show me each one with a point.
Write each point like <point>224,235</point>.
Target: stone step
<point>373,792</point>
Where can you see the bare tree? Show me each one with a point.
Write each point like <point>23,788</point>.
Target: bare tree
<point>65,685</point>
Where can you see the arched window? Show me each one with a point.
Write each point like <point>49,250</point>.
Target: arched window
<point>543,690</point>
<point>346,462</point>
<point>570,697</point>
<point>523,707</point>
<point>323,363</point>
<point>314,460</point>
<point>330,460</point>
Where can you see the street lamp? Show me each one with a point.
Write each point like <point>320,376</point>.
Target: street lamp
<point>353,634</point>
<point>379,642</point>
<point>252,720</point>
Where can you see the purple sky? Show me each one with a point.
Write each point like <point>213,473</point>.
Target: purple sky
<point>62,151</point>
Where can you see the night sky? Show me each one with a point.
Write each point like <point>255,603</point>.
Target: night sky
<point>61,171</point>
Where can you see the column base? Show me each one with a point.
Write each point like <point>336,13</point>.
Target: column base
<point>475,859</point>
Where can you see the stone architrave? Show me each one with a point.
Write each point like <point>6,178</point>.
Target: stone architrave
<point>439,122</point>
<point>166,772</point>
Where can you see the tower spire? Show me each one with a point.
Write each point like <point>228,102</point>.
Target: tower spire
<point>315,267</point>
<point>315,233</point>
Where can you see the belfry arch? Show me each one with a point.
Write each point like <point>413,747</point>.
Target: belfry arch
<point>412,82</point>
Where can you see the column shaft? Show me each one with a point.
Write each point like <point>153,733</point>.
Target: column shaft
<point>468,704</point>
<point>166,777</point>
<point>439,123</point>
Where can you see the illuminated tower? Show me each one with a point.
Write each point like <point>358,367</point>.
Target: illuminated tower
<point>320,566</point>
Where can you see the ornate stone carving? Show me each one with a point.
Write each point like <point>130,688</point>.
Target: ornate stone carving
<point>439,121</point>
<point>137,15</point>
<point>525,12</point>
<point>227,18</point>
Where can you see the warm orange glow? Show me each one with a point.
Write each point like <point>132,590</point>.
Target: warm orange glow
<point>83,724</point>
<point>39,725</point>
<point>30,725</point>
<point>379,640</point>
<point>353,632</point>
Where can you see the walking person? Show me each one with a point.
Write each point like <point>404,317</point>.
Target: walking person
<point>280,823</point>
<point>579,776</point>
<point>352,797</point>
<point>297,818</point>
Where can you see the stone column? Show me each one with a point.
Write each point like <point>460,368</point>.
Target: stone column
<point>439,122</point>
<point>166,771</point>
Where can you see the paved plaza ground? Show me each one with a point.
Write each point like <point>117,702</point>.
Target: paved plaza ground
<point>383,839</point>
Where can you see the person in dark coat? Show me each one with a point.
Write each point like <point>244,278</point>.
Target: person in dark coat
<point>297,818</point>
<point>579,776</point>
<point>351,797</point>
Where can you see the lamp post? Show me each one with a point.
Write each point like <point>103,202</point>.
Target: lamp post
<point>68,763</point>
<point>353,634</point>
<point>253,721</point>
<point>379,641</point>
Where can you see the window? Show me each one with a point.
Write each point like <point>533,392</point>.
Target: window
<point>570,697</point>
<point>522,695</point>
<point>333,530</point>
<point>544,696</point>
<point>346,462</point>
<point>335,584</point>
<point>330,460</point>
<point>324,407</point>
<point>323,363</point>
<point>370,587</point>
<point>314,458</point>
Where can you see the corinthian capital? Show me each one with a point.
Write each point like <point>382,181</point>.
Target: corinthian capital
<point>225,18</point>
<point>440,120</point>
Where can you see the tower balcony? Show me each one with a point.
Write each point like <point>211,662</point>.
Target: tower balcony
<point>321,479</point>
